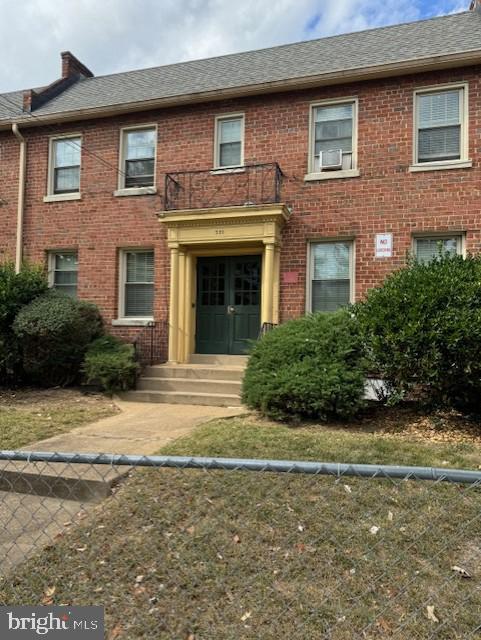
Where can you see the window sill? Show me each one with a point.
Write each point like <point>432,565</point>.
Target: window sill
<point>62,197</point>
<point>330,175</point>
<point>136,191</point>
<point>438,166</point>
<point>221,170</point>
<point>132,322</point>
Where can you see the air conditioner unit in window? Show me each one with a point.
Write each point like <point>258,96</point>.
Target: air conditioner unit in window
<point>331,159</point>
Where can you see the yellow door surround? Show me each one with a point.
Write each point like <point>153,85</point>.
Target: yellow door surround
<point>244,230</point>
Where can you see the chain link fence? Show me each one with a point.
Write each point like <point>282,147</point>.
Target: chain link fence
<point>201,548</point>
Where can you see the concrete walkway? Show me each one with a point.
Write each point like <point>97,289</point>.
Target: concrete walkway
<point>38,500</point>
<point>141,428</point>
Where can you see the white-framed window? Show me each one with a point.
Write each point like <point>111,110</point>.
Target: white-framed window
<point>136,283</point>
<point>441,125</point>
<point>64,165</point>
<point>331,282</point>
<point>333,136</point>
<point>138,147</point>
<point>229,141</point>
<point>427,248</point>
<point>63,271</point>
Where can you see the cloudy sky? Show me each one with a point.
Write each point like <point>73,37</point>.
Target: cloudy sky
<point>118,35</point>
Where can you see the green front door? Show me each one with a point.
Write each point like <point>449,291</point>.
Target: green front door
<point>228,303</point>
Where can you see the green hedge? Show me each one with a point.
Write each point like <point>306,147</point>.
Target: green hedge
<point>16,291</point>
<point>110,363</point>
<point>55,331</point>
<point>312,367</point>
<point>423,331</point>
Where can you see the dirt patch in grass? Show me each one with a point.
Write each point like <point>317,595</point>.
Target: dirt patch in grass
<point>414,423</point>
<point>29,415</point>
<point>195,555</point>
<point>408,421</point>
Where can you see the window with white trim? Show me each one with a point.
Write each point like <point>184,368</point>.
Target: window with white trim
<point>137,283</point>
<point>332,137</point>
<point>63,271</point>
<point>330,275</point>
<point>229,150</point>
<point>440,125</point>
<point>65,155</point>
<point>430,248</point>
<point>138,157</point>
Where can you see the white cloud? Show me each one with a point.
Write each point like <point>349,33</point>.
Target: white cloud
<point>116,35</point>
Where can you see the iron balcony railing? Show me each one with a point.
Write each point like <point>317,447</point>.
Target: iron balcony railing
<point>252,184</point>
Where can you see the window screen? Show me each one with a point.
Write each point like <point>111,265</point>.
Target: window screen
<point>229,135</point>
<point>330,275</point>
<point>65,272</point>
<point>66,165</point>
<point>439,126</point>
<point>333,129</point>
<point>139,284</point>
<point>428,249</point>
<point>139,152</point>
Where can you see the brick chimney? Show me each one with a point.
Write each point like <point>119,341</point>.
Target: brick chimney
<point>72,67</point>
<point>72,71</point>
<point>28,99</point>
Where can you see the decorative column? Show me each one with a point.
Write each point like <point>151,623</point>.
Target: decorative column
<point>181,303</point>
<point>268,283</point>
<point>174,304</point>
<point>276,284</point>
<point>188,334</point>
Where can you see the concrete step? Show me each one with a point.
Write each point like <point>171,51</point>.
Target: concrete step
<point>80,482</point>
<point>202,358</point>
<point>180,397</point>
<point>196,385</point>
<point>194,371</point>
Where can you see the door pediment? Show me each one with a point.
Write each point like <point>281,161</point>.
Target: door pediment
<point>225,225</point>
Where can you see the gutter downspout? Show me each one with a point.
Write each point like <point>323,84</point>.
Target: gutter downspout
<point>21,196</point>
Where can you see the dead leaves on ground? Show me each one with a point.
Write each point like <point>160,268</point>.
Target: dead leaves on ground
<point>48,594</point>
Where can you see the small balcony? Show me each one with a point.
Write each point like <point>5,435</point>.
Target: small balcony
<point>250,185</point>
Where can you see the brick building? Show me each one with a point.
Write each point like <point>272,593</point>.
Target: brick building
<point>219,195</point>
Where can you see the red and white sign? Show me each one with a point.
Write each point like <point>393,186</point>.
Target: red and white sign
<point>383,245</point>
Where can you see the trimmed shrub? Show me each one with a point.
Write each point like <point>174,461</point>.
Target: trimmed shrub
<point>55,331</point>
<point>423,331</point>
<point>312,367</point>
<point>110,363</point>
<point>16,291</point>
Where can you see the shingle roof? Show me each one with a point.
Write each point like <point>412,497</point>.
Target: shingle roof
<point>441,36</point>
<point>10,104</point>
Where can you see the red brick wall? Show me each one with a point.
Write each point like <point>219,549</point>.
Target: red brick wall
<point>9,162</point>
<point>386,198</point>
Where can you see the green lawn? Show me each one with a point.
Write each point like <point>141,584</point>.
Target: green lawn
<point>27,416</point>
<point>244,437</point>
<point>197,555</point>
